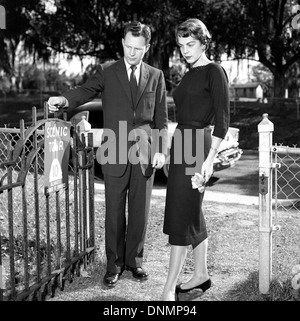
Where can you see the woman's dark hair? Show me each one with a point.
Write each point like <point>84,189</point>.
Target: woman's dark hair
<point>194,28</point>
<point>138,29</point>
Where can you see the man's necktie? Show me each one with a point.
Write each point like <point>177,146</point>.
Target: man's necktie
<point>133,83</point>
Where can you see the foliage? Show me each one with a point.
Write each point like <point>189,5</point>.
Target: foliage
<point>46,79</point>
<point>240,29</point>
<point>262,74</point>
<point>81,27</point>
<point>19,30</point>
<point>293,80</point>
<point>260,26</point>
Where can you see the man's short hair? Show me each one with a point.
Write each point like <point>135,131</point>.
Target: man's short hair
<point>138,29</point>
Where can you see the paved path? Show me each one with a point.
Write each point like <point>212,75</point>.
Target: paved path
<point>220,197</point>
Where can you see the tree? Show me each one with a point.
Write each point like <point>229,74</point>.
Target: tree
<point>162,17</point>
<point>294,81</point>
<point>19,31</point>
<point>83,27</point>
<point>264,27</point>
<point>19,45</point>
<point>263,75</point>
<point>240,28</point>
<point>95,28</point>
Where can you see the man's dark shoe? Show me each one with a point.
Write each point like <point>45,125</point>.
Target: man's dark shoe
<point>110,279</point>
<point>138,273</point>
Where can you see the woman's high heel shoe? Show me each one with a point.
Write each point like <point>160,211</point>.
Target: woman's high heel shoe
<point>203,286</point>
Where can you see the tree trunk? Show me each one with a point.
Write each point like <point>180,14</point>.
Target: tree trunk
<point>166,69</point>
<point>279,93</point>
<point>160,59</point>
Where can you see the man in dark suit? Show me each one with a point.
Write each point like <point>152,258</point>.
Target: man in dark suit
<point>134,102</point>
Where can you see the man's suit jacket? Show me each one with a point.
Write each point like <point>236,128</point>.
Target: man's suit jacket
<point>145,119</point>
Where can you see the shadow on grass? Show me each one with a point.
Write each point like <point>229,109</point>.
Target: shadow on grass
<point>248,290</point>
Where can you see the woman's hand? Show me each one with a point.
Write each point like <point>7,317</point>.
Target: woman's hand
<point>198,182</point>
<point>207,169</point>
<point>208,165</point>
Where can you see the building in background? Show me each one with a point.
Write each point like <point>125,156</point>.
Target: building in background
<point>250,91</point>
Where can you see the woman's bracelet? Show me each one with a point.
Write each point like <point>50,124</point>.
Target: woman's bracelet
<point>214,149</point>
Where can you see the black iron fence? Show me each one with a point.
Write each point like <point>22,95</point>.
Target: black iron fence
<point>45,238</point>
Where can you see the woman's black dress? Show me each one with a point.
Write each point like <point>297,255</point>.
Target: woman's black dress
<point>201,99</point>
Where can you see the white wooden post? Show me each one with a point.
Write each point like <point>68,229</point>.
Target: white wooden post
<point>265,130</point>
<point>83,127</point>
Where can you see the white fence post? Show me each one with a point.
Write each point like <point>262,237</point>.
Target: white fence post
<point>265,130</point>
<point>83,127</point>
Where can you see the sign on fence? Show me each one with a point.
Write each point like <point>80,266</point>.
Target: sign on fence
<point>56,156</point>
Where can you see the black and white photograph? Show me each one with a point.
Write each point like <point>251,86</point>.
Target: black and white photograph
<point>150,153</point>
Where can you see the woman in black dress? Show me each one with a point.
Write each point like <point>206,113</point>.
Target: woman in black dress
<point>202,100</point>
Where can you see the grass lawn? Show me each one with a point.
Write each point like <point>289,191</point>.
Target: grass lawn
<point>248,116</point>
<point>232,259</point>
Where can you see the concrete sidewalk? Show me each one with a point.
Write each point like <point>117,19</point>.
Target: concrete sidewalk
<point>211,196</point>
<point>219,197</point>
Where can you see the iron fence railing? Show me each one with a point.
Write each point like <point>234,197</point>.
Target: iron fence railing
<point>44,238</point>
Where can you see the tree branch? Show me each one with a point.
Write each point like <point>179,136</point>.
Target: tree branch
<point>242,57</point>
<point>294,59</point>
<point>94,53</point>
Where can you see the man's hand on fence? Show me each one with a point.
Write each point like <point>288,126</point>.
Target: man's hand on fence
<point>57,102</point>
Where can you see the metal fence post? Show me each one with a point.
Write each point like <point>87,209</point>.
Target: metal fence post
<point>265,130</point>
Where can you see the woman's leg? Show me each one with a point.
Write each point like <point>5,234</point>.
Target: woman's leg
<point>177,258</point>
<point>200,261</point>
